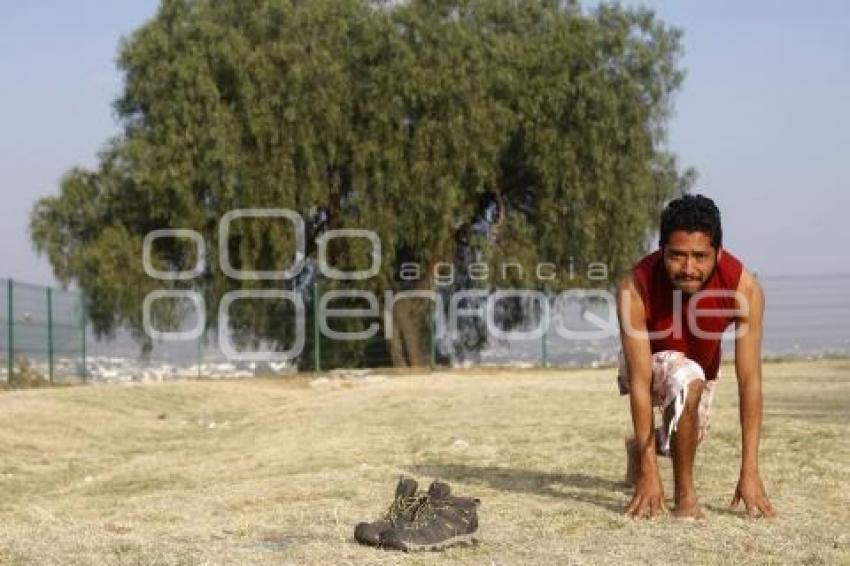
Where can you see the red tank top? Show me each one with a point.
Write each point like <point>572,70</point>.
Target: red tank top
<point>672,331</point>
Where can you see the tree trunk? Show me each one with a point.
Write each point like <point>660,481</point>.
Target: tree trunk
<point>412,320</point>
<point>410,342</point>
<point>396,345</point>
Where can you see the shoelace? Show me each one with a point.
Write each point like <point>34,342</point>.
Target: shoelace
<point>419,504</point>
<point>401,506</point>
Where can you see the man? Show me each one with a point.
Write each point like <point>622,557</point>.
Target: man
<point>673,309</point>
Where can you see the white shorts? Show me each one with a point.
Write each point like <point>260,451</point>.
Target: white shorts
<point>672,372</point>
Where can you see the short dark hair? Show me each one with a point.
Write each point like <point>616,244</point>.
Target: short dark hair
<point>691,213</point>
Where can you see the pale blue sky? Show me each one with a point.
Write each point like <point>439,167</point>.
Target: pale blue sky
<point>764,116</point>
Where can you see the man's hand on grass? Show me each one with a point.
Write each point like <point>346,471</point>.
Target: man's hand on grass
<point>648,499</point>
<point>751,491</point>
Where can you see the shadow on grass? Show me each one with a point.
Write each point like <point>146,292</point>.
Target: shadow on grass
<point>724,510</point>
<point>584,488</point>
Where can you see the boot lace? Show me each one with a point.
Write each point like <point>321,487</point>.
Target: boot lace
<point>415,508</point>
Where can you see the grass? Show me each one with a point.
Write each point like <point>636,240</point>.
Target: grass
<point>270,471</point>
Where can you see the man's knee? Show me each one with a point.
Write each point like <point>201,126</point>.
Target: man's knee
<point>695,389</point>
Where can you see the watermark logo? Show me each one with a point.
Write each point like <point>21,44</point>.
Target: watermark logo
<point>465,303</point>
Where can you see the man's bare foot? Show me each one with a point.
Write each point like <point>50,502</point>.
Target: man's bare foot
<point>632,462</point>
<point>688,509</point>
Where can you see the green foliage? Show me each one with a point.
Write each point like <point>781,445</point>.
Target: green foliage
<point>411,119</point>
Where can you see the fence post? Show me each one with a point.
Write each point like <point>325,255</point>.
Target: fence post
<point>201,351</point>
<point>431,326</point>
<point>11,321</point>
<point>50,334</point>
<point>543,345</point>
<point>545,353</point>
<point>316,352</point>
<point>83,307</point>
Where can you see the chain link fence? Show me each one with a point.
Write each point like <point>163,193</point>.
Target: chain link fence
<point>42,335</point>
<point>45,338</point>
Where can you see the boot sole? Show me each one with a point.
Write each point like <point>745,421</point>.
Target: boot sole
<point>470,539</point>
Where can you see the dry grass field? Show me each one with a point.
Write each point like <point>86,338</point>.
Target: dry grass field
<point>278,471</point>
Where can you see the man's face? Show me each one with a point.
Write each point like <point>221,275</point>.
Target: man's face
<point>690,260</point>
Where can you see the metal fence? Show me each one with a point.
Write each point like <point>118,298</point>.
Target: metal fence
<point>45,337</point>
<point>42,334</point>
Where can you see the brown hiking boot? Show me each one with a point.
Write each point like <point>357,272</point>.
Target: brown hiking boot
<point>402,508</point>
<point>439,520</point>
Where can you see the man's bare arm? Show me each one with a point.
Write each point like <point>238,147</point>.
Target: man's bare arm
<point>748,369</point>
<point>649,495</point>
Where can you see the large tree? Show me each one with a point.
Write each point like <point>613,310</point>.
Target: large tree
<point>498,130</point>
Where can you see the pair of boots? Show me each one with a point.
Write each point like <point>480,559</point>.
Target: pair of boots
<point>416,520</point>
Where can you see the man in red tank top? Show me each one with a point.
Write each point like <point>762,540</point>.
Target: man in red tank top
<point>673,309</point>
